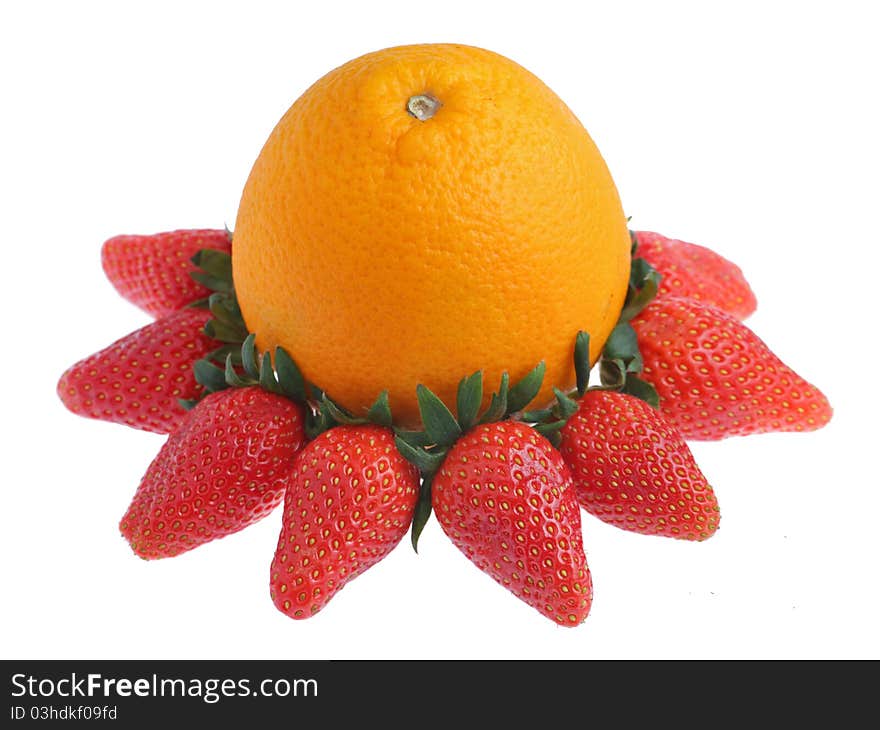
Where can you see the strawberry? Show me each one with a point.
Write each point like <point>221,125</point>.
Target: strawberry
<point>153,272</point>
<point>505,498</point>
<point>138,380</point>
<point>696,272</point>
<point>716,378</point>
<point>349,501</point>
<point>632,469</point>
<point>225,467</point>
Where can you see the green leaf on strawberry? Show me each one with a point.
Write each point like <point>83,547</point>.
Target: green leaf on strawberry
<point>426,461</point>
<point>290,378</point>
<point>249,356</point>
<point>644,281</point>
<point>212,377</point>
<point>440,425</point>
<point>422,512</point>
<point>215,263</point>
<point>622,344</point>
<point>380,411</point>
<point>498,405</point>
<point>523,392</point>
<point>582,361</point>
<point>470,395</point>
<point>642,390</point>
<point>621,361</point>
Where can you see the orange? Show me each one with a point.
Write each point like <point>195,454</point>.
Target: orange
<point>424,212</point>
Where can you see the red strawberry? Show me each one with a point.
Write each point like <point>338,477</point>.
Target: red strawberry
<point>137,380</point>
<point>224,468</point>
<point>504,496</point>
<point>716,378</point>
<point>633,470</point>
<point>152,271</point>
<point>348,503</point>
<point>696,272</point>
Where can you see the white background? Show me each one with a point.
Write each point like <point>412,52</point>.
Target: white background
<point>752,130</point>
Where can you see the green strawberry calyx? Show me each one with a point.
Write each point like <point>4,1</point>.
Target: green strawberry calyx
<point>236,363</point>
<point>620,363</point>
<point>213,269</point>
<point>226,325</point>
<point>278,373</point>
<point>427,449</point>
<point>330,414</point>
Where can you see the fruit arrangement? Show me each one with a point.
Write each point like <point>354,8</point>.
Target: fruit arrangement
<point>431,305</point>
